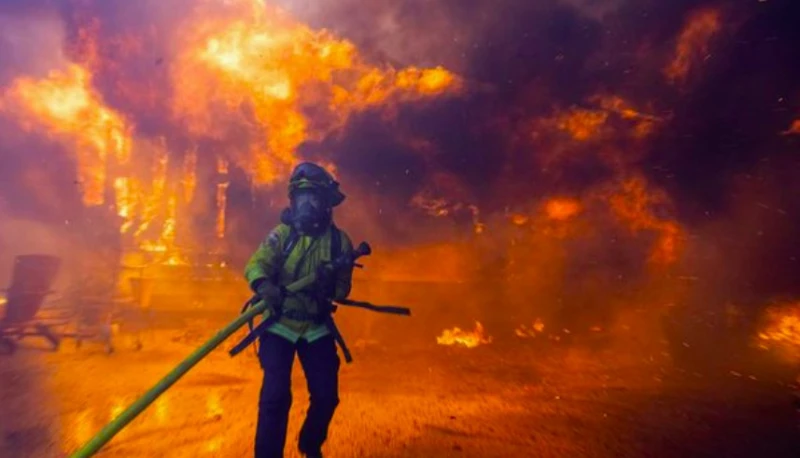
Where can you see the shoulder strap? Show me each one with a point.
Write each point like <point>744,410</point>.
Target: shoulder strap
<point>336,242</point>
<point>289,244</point>
<point>291,241</point>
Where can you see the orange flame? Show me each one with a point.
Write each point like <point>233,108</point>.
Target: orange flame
<point>222,196</point>
<point>634,204</point>
<point>693,43</point>
<point>582,124</point>
<point>536,328</point>
<point>562,209</point>
<point>643,124</point>
<point>65,107</point>
<point>277,68</point>
<point>189,174</point>
<point>585,124</point>
<point>469,339</point>
<point>518,219</point>
<point>247,65</point>
<point>782,329</point>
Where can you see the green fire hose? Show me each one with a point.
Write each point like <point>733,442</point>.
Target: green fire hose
<point>138,406</point>
<point>122,420</point>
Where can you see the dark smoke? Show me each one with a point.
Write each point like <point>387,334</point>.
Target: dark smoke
<point>522,61</point>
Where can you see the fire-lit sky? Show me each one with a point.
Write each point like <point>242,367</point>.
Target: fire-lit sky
<point>674,118</point>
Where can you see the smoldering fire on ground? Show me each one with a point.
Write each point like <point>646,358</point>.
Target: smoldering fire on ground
<point>565,177</point>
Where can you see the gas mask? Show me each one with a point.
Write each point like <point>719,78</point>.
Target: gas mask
<point>309,212</point>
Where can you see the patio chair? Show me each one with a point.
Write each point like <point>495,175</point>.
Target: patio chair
<point>31,282</point>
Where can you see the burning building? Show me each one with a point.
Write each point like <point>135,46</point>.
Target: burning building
<point>534,175</point>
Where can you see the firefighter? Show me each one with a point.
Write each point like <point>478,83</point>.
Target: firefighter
<point>301,244</point>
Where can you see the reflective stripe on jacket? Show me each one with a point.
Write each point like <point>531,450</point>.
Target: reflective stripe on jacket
<point>306,256</point>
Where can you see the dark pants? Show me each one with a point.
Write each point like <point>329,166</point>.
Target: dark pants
<point>321,366</point>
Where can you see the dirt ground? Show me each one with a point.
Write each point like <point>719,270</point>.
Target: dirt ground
<point>400,399</point>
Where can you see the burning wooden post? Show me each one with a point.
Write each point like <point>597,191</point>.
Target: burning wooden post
<point>222,195</point>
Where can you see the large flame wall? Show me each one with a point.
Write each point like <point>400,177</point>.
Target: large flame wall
<point>567,152</point>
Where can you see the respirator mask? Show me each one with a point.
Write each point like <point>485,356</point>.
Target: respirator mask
<point>309,211</point>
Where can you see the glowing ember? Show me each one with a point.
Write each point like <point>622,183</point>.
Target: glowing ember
<point>469,339</point>
<point>536,328</point>
<point>693,43</point>
<point>562,209</point>
<point>782,329</point>
<point>519,219</point>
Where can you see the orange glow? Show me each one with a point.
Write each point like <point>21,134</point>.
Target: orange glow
<point>65,107</point>
<point>81,427</point>
<point>794,128</point>
<point>611,115</point>
<point>214,405</point>
<point>260,58</point>
<point>782,329</point>
<point>222,196</point>
<point>634,205</point>
<point>245,65</point>
<point>432,206</point>
<point>562,209</point>
<point>535,329</point>
<point>440,207</point>
<point>117,408</point>
<point>469,339</point>
<point>189,174</point>
<point>161,406</point>
<point>644,124</point>
<point>582,124</point>
<point>519,219</point>
<point>693,43</point>
<point>431,81</point>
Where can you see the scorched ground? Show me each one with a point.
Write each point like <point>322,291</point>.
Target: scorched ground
<point>409,398</point>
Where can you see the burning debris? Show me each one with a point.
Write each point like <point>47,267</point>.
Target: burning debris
<point>537,328</point>
<point>469,339</point>
<point>782,330</point>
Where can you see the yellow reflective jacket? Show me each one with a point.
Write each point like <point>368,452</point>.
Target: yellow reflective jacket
<point>306,256</point>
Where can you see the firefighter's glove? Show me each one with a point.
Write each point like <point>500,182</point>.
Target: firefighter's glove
<point>326,279</point>
<point>271,293</point>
